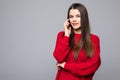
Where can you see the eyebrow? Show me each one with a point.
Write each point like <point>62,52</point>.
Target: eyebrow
<point>75,15</point>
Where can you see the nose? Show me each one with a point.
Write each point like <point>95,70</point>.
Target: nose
<point>74,19</point>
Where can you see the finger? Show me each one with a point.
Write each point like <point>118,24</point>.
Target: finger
<point>57,64</point>
<point>67,22</point>
<point>58,68</point>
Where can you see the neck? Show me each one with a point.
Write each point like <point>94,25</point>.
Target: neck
<point>77,31</point>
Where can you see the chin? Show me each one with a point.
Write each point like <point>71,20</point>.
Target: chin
<point>76,27</point>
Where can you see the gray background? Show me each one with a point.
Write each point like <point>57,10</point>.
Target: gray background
<point>28,30</point>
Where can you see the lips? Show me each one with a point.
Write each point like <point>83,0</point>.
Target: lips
<point>74,24</point>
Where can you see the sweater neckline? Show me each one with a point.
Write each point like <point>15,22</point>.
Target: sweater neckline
<point>77,34</point>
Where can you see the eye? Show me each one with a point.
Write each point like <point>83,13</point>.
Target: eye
<point>70,16</point>
<point>78,15</point>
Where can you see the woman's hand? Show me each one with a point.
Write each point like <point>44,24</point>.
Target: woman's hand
<point>67,28</point>
<point>60,65</point>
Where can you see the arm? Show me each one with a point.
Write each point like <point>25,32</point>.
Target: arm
<point>62,47</point>
<point>88,67</point>
<point>76,69</point>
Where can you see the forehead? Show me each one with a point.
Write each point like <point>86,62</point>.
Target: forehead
<point>74,12</point>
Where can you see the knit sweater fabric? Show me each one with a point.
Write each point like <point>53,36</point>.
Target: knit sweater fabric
<point>84,67</point>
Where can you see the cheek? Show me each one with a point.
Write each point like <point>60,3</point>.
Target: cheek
<point>70,20</point>
<point>79,21</point>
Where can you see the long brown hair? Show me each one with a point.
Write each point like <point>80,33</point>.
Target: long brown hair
<point>84,41</point>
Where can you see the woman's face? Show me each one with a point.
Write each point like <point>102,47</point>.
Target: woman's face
<point>75,19</point>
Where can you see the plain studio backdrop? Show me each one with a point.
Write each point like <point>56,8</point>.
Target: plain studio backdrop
<point>28,31</point>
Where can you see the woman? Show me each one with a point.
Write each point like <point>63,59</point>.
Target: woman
<point>77,51</point>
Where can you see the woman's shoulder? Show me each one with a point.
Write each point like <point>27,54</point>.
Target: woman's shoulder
<point>60,33</point>
<point>94,37</point>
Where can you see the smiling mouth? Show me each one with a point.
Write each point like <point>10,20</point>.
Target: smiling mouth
<point>74,24</point>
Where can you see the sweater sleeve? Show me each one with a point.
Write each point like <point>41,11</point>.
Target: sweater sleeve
<point>62,47</point>
<point>88,67</point>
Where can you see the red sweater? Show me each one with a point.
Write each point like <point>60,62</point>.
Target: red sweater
<point>81,69</point>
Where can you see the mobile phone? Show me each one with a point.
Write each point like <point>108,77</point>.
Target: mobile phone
<point>69,23</point>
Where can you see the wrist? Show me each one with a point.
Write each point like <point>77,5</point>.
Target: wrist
<point>67,35</point>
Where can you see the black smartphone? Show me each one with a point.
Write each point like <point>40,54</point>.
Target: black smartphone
<point>69,23</point>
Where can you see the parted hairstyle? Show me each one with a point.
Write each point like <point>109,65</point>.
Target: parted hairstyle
<point>84,41</point>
